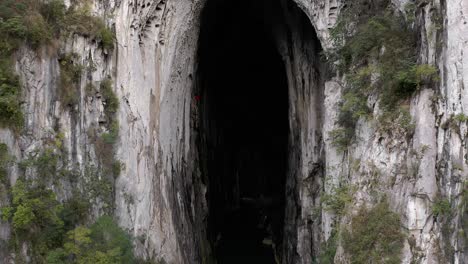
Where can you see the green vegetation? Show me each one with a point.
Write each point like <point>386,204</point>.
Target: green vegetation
<point>70,77</point>
<point>441,206</point>
<point>47,166</point>
<point>397,121</point>
<point>79,20</point>
<point>90,89</point>
<point>117,168</point>
<point>374,236</point>
<point>464,195</point>
<point>99,188</point>
<point>21,21</point>
<point>49,227</point>
<point>378,56</point>
<point>105,145</point>
<point>111,136</point>
<point>112,102</point>
<point>10,90</point>
<point>107,38</point>
<point>53,230</point>
<point>5,160</point>
<point>99,180</point>
<point>328,252</point>
<point>34,216</point>
<point>102,187</point>
<point>103,242</point>
<point>461,118</point>
<point>44,224</point>
<point>75,211</point>
<point>442,211</point>
<point>437,24</point>
<point>53,12</point>
<point>464,210</point>
<point>341,138</point>
<point>410,9</point>
<point>337,200</point>
<point>37,23</point>
<point>454,122</point>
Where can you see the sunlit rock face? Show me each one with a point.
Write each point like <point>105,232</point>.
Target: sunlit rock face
<point>225,114</point>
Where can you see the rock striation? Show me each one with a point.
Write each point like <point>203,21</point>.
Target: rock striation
<point>160,197</point>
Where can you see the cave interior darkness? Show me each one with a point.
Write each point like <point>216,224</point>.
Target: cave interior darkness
<point>244,124</point>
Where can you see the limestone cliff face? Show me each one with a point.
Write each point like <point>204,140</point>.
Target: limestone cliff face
<point>160,197</point>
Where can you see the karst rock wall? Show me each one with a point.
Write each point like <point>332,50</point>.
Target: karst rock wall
<point>159,196</point>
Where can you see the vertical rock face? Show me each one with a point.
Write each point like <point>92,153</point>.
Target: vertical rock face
<point>151,68</point>
<point>306,76</point>
<point>162,195</point>
<point>155,68</point>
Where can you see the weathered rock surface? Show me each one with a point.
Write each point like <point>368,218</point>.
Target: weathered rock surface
<point>159,197</point>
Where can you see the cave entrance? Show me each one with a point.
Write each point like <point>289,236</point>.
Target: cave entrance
<point>244,125</point>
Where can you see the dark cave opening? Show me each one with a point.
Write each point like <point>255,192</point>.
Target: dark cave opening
<point>244,126</point>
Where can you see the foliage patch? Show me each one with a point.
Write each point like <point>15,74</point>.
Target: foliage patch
<point>5,161</point>
<point>441,206</point>
<point>54,230</point>
<point>70,77</point>
<point>34,216</point>
<point>337,200</point>
<point>377,52</point>
<point>112,102</point>
<point>37,23</point>
<point>328,252</point>
<point>374,236</point>
<point>10,90</point>
<point>103,242</point>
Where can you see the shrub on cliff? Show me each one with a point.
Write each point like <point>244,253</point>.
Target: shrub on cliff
<point>70,76</point>
<point>5,160</point>
<point>377,52</point>
<point>79,20</point>
<point>337,200</point>
<point>103,242</point>
<point>34,216</point>
<point>10,89</point>
<point>112,102</point>
<point>53,232</point>
<point>374,236</point>
<point>37,23</point>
